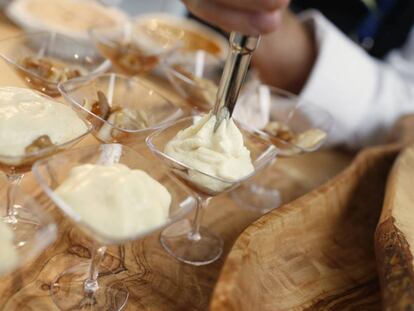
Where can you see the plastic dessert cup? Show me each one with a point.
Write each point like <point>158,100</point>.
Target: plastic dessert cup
<point>23,53</point>
<point>151,110</point>
<point>16,166</point>
<point>120,46</point>
<point>82,286</point>
<point>263,194</point>
<point>194,244</point>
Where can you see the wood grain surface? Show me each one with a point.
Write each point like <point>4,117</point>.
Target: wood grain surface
<point>317,253</point>
<point>394,239</point>
<point>155,280</point>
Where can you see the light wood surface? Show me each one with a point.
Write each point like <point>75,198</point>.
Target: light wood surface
<point>317,253</point>
<point>394,238</point>
<point>155,280</point>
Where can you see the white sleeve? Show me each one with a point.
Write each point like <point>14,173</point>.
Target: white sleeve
<point>364,95</point>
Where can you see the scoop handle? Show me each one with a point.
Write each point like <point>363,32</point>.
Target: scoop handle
<point>234,74</point>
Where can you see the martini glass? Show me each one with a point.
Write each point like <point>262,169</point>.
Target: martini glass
<point>192,243</point>
<point>16,166</point>
<point>265,192</point>
<point>150,109</point>
<point>82,287</point>
<point>131,50</point>
<point>23,52</point>
<point>28,243</point>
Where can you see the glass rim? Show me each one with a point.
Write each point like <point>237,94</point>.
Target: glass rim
<point>102,67</point>
<point>271,151</point>
<point>76,218</point>
<point>86,79</point>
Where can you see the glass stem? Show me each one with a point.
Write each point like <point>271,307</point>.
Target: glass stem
<point>91,283</point>
<point>14,179</point>
<point>201,205</point>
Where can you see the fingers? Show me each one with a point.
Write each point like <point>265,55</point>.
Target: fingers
<point>233,19</point>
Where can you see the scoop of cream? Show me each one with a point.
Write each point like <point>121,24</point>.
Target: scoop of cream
<point>116,201</point>
<point>8,253</point>
<point>26,115</point>
<point>219,153</point>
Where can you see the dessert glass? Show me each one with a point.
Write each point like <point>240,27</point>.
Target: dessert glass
<point>194,244</point>
<point>16,166</point>
<point>117,45</point>
<point>82,286</point>
<point>57,48</point>
<point>33,232</point>
<point>121,92</point>
<point>263,194</point>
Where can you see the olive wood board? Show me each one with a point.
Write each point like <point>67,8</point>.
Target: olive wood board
<point>394,237</point>
<point>317,253</point>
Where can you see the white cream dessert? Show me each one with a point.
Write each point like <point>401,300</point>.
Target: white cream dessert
<point>219,153</point>
<point>26,115</point>
<point>8,253</point>
<point>116,201</point>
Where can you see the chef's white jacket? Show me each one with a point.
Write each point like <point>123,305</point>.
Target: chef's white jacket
<point>364,95</point>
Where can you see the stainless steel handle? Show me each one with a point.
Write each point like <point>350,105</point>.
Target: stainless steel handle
<point>234,74</point>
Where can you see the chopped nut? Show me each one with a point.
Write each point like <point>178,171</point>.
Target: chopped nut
<point>38,144</point>
<point>309,139</point>
<point>102,107</point>
<point>279,130</point>
<point>49,69</point>
<point>123,118</point>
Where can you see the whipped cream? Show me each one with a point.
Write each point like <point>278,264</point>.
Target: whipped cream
<point>116,201</point>
<point>219,153</point>
<point>8,253</point>
<point>25,115</point>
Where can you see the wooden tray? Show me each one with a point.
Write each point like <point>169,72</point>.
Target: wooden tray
<point>394,238</point>
<point>316,253</point>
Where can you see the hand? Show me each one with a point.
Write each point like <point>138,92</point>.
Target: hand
<point>250,17</point>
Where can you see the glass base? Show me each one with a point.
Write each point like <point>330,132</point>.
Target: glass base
<point>23,222</point>
<point>180,242</point>
<point>256,198</point>
<point>68,293</point>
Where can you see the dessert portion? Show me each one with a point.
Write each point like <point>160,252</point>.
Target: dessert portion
<point>219,153</point>
<point>30,122</point>
<point>8,253</point>
<point>134,56</point>
<point>116,201</point>
<point>119,116</point>
<point>50,69</point>
<point>307,140</point>
<point>72,18</point>
<point>192,36</point>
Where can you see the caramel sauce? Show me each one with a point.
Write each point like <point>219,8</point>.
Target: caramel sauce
<point>193,40</point>
<point>128,58</point>
<point>38,144</point>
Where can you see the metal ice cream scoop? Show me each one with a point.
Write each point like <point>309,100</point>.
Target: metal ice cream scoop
<point>234,73</point>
